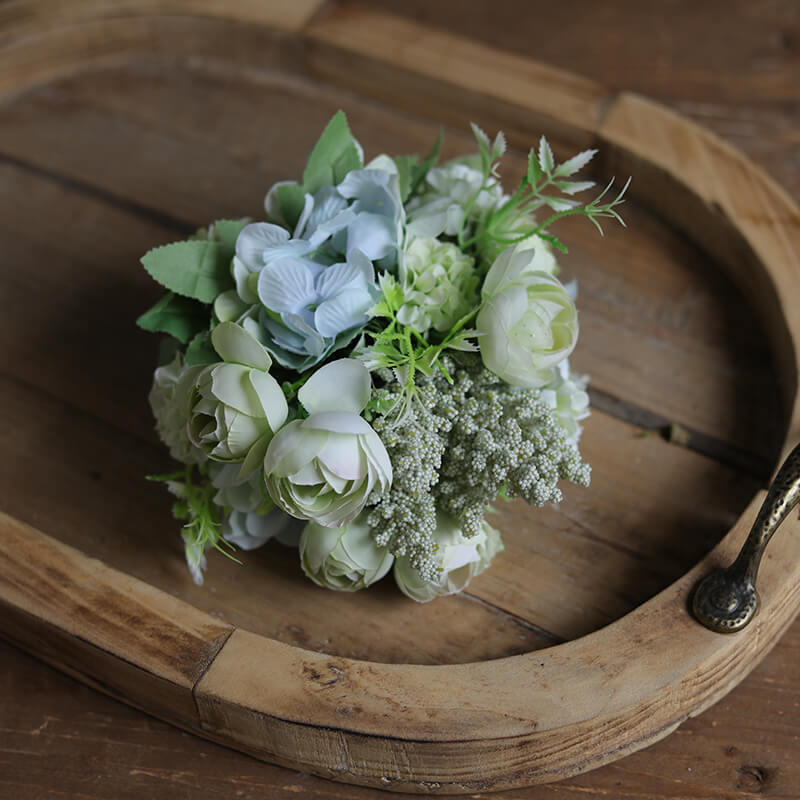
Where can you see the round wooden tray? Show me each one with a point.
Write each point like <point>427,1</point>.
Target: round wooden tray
<point>125,126</point>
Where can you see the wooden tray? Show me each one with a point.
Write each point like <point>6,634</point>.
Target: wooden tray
<point>126,126</point>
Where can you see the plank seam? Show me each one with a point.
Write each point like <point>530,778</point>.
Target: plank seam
<point>131,207</point>
<point>550,636</point>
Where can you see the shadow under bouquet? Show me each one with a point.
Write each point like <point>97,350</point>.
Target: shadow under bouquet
<point>364,374</point>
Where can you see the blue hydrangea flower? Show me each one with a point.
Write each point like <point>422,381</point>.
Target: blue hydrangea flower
<point>308,293</point>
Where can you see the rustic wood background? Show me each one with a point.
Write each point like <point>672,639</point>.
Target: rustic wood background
<point>733,67</point>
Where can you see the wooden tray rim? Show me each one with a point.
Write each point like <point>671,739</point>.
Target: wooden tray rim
<point>385,725</point>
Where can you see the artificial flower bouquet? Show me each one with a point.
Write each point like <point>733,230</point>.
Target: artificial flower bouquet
<point>365,373</point>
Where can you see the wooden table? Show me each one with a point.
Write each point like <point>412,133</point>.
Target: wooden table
<point>732,66</point>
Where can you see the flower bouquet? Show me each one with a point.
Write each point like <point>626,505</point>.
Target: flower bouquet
<point>364,374</point>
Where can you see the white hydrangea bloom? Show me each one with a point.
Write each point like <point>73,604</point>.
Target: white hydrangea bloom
<point>439,285</point>
<point>450,188</point>
<point>568,398</point>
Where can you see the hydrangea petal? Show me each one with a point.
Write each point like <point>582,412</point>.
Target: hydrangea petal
<point>287,285</point>
<point>257,237</point>
<point>347,310</point>
<point>373,234</point>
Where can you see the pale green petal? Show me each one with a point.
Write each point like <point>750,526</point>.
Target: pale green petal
<point>236,345</point>
<point>271,398</point>
<point>292,448</point>
<point>229,306</point>
<point>342,385</point>
<point>231,386</point>
<point>337,422</point>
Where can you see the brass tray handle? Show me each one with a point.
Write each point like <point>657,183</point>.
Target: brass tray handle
<point>726,600</point>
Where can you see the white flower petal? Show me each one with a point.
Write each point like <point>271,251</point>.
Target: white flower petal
<point>287,285</point>
<point>257,237</point>
<point>342,385</point>
<point>375,235</point>
<point>237,345</point>
<point>347,310</point>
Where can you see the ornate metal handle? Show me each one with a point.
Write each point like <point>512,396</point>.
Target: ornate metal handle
<point>726,600</point>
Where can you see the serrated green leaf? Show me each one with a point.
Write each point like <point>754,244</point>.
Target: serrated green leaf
<point>574,164</point>
<point>200,350</point>
<point>573,187</point>
<point>333,156</point>
<point>226,232</point>
<point>534,171</point>
<point>546,160</point>
<point>463,341</point>
<point>555,241</point>
<point>499,145</point>
<point>483,146</point>
<point>559,203</point>
<point>193,269</point>
<point>419,171</point>
<point>291,199</point>
<point>178,316</point>
<point>404,164</point>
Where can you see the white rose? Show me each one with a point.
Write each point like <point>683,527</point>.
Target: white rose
<point>237,405</point>
<point>459,558</point>
<point>345,559</point>
<point>324,467</point>
<point>528,321</point>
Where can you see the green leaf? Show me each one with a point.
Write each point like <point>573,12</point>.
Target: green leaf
<point>574,187</point>
<point>200,350</point>
<point>404,166</point>
<point>419,171</point>
<point>291,199</point>
<point>534,171</point>
<point>226,231</point>
<point>333,156</point>
<point>555,241</point>
<point>192,269</point>
<point>178,316</point>
<point>546,160</point>
<point>483,147</point>
<point>574,164</point>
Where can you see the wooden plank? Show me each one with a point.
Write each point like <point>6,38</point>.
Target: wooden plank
<point>118,634</point>
<point>663,329</point>
<point>741,82</point>
<point>41,40</point>
<point>20,18</point>
<point>407,65</point>
<point>713,193</point>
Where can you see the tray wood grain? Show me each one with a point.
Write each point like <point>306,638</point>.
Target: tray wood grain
<point>373,689</point>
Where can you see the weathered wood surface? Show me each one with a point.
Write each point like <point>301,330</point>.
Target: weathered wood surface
<point>51,138</point>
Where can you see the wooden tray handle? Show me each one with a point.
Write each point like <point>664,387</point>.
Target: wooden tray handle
<point>726,600</point>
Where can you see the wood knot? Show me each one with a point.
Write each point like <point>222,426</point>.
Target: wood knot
<point>753,778</point>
